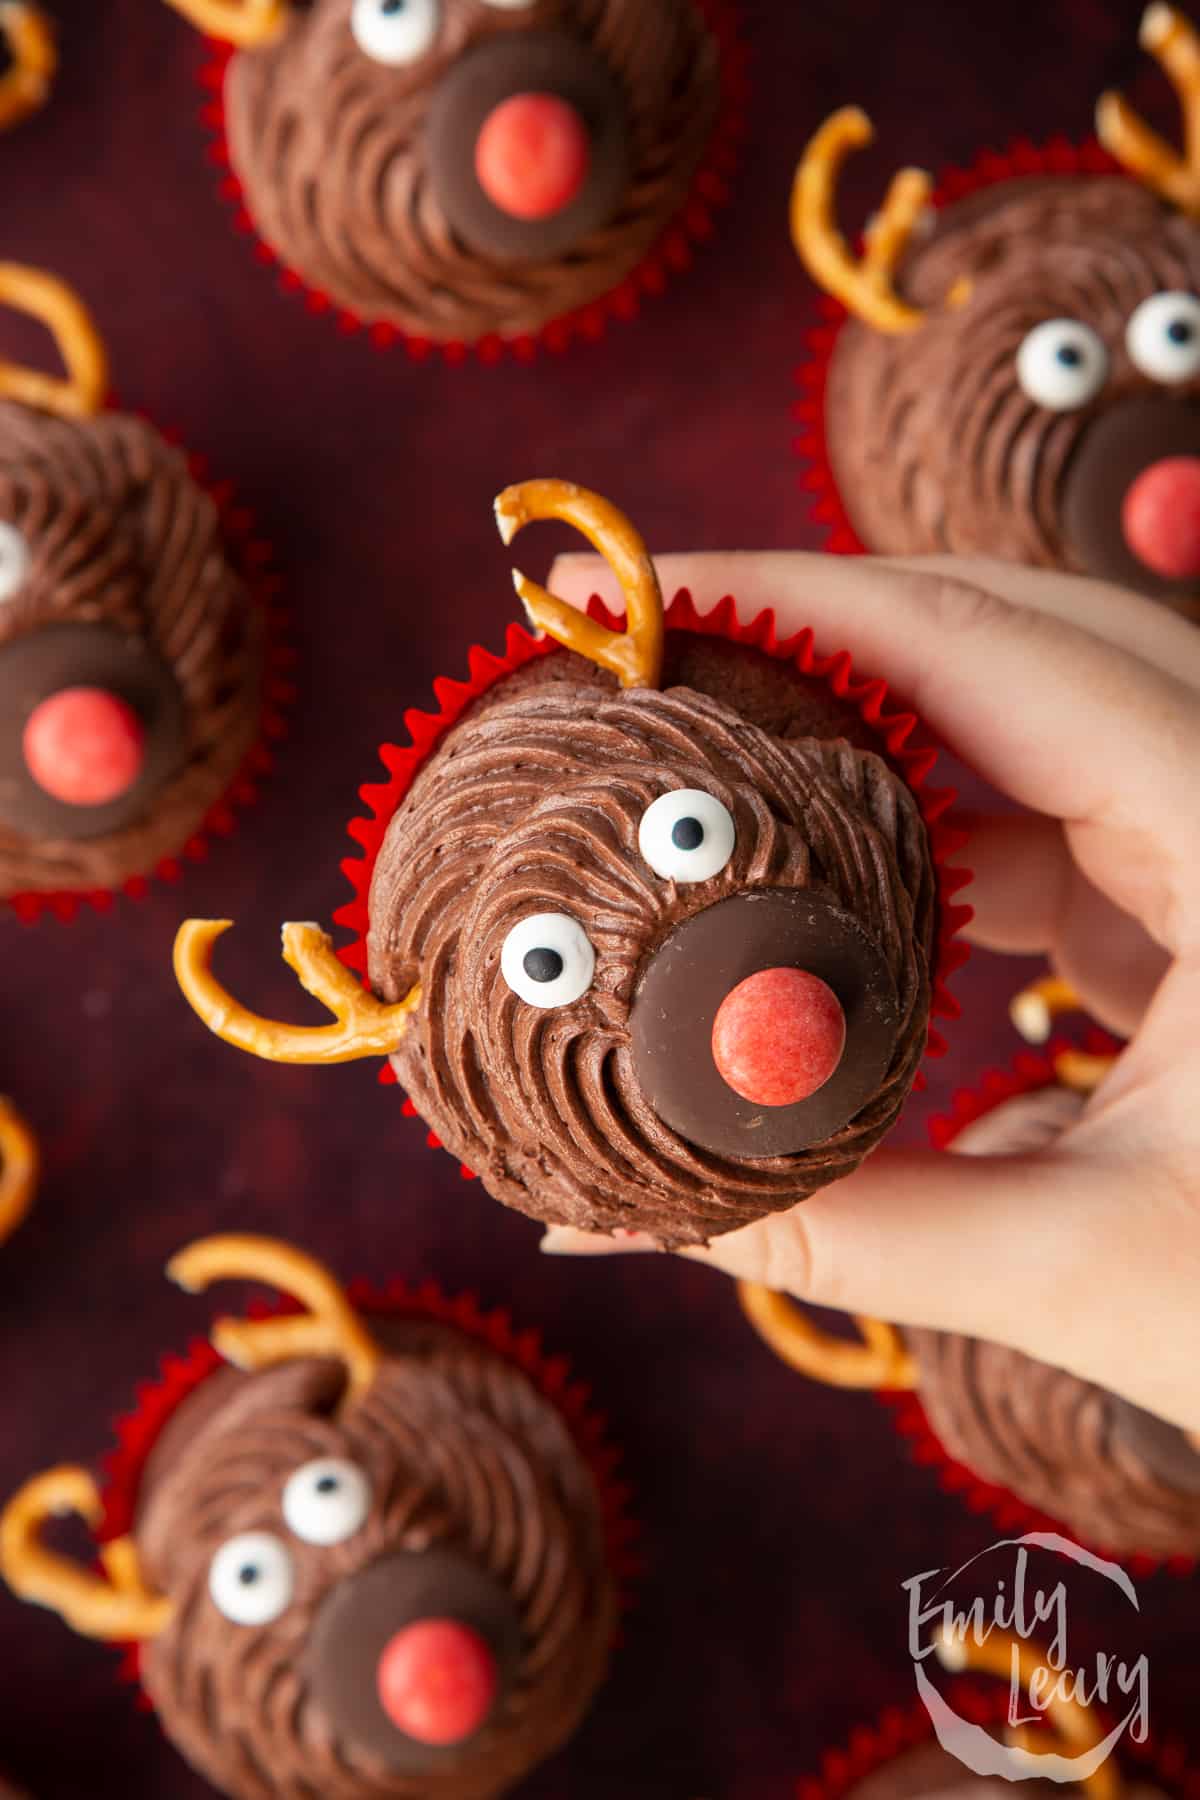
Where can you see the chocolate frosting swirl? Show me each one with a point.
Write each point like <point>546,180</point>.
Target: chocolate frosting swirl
<point>1114,1474</point>
<point>532,804</point>
<point>461,1454</point>
<point>120,536</point>
<point>933,443</point>
<point>332,152</point>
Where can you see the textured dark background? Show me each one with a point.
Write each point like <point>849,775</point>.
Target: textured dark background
<point>779,1519</point>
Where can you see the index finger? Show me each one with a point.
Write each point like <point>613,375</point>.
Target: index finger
<point>1048,712</point>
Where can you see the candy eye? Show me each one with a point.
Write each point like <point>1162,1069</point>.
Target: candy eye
<point>547,960</point>
<point>1062,364</point>
<point>687,835</point>
<point>1163,337</point>
<point>14,560</point>
<point>251,1579</point>
<point>394,32</point>
<point>327,1501</point>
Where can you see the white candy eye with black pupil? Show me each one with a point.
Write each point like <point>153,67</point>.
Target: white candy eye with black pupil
<point>547,960</point>
<point>14,560</point>
<point>326,1501</point>
<point>687,835</point>
<point>1062,364</point>
<point>251,1579</point>
<point>394,32</point>
<point>1163,337</point>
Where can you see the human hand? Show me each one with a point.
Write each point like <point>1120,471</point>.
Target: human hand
<point>1082,703</point>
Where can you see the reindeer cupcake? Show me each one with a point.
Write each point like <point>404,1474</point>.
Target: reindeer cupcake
<point>468,169</point>
<point>1020,374</point>
<point>132,650</point>
<point>1020,1437</point>
<point>651,919</point>
<point>28,61</point>
<point>367,1557</point>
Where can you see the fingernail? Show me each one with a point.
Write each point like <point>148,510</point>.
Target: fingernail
<point>566,1240</point>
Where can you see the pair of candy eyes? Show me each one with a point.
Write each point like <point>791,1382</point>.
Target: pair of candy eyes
<point>685,836</point>
<point>396,32</point>
<point>251,1578</point>
<point>1063,363</point>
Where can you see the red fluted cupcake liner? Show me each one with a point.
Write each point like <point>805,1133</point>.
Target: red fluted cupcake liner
<point>253,559</point>
<point>156,1401</point>
<point>903,1728</point>
<point>900,735</point>
<point>1022,159</point>
<point>673,254</point>
<point>1030,1071</point>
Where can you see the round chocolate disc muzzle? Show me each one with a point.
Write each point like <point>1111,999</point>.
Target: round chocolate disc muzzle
<point>361,1616</point>
<point>1167,1452</point>
<point>44,662</point>
<point>684,982</point>
<point>527,63</point>
<point>1112,452</point>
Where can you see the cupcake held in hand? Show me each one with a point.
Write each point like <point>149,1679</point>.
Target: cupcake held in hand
<point>374,1515</point>
<point>650,919</point>
<point>1020,373</point>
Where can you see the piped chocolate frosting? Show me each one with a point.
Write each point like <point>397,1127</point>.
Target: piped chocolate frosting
<point>934,444</point>
<point>1116,1475</point>
<point>360,173</point>
<point>531,805</point>
<point>118,580</point>
<point>481,1510</point>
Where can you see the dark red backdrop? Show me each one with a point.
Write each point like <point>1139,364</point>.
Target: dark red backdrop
<point>779,1519</point>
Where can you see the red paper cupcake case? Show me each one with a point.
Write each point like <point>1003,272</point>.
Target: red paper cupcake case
<point>254,560</point>
<point>900,734</point>
<point>902,1728</point>
<point>156,1401</point>
<point>1030,1071</point>
<point>810,443</point>
<point>670,257</point>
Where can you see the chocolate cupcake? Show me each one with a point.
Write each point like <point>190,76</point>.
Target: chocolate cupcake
<point>28,61</point>
<point>1020,376</point>
<point>467,170</point>
<point>366,1556</point>
<point>651,920</point>
<point>18,1169</point>
<point>1036,1446</point>
<point>901,1756</point>
<point>132,649</point>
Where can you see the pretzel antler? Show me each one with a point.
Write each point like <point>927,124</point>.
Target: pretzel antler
<point>634,655</point>
<point>365,1026</point>
<point>79,344</point>
<point>116,1607</point>
<point>246,24</point>
<point>1168,36</point>
<point>18,1169</point>
<point>25,87</point>
<point>879,1361</point>
<point>330,1327</point>
<point>1074,1724</point>
<point>864,286</point>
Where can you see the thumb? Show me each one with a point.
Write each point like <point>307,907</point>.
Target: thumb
<point>969,1244</point>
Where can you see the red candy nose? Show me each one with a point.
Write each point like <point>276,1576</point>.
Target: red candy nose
<point>1161,517</point>
<point>532,155</point>
<point>437,1681</point>
<point>778,1036</point>
<point>84,746</point>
